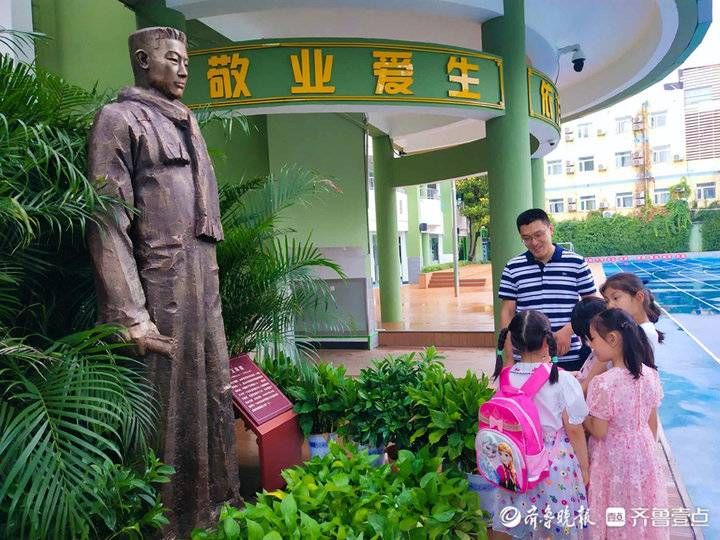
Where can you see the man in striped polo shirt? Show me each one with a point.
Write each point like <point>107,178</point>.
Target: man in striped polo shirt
<point>546,278</point>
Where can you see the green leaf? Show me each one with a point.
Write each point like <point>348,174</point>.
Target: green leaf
<point>255,530</point>
<point>273,535</point>
<point>231,529</point>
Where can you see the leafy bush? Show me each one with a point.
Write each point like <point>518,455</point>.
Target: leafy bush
<point>342,495</point>
<point>711,232</point>
<point>130,507</point>
<point>446,411</point>
<point>383,409</point>
<point>443,266</point>
<point>321,401</point>
<point>655,230</point>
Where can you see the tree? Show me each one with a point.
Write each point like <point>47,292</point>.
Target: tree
<point>474,196</point>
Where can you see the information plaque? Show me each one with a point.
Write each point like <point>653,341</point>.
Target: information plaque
<point>268,413</point>
<point>255,394</point>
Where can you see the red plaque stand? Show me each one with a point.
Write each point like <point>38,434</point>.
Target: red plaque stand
<point>268,413</point>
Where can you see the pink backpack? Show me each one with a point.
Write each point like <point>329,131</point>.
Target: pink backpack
<point>509,444</point>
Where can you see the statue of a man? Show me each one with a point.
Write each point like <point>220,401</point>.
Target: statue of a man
<point>156,272</point>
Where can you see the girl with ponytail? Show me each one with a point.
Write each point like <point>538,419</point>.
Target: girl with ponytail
<point>623,401</point>
<point>627,291</point>
<point>561,408</point>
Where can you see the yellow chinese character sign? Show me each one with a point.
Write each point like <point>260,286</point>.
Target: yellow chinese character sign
<point>345,71</point>
<point>458,69</point>
<point>226,75</point>
<point>312,75</point>
<point>543,99</point>
<point>393,71</point>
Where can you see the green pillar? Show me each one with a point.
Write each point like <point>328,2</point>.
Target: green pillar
<point>426,249</point>
<point>387,231</point>
<point>155,13</point>
<point>446,203</point>
<point>414,245</point>
<point>508,140</point>
<point>538,182</point>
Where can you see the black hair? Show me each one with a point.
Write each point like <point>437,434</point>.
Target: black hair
<point>636,346</point>
<point>629,283</point>
<point>534,214</point>
<point>528,331</point>
<point>582,314</point>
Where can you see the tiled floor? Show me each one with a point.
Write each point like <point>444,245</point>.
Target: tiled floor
<point>440,310</point>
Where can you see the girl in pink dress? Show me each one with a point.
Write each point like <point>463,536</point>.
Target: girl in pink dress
<point>624,469</point>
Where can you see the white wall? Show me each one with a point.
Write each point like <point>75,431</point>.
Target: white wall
<point>17,15</point>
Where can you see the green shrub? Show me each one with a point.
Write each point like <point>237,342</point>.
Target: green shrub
<point>446,412</point>
<point>342,495</point>
<point>654,230</point>
<point>711,232</point>
<point>382,411</point>
<point>443,266</point>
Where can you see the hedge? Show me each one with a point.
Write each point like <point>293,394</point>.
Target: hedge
<point>650,230</point>
<point>711,233</point>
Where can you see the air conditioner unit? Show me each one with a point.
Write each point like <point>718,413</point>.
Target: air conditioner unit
<point>608,213</point>
<point>569,169</point>
<point>423,227</point>
<point>569,137</point>
<point>600,132</point>
<point>602,168</point>
<point>571,200</point>
<point>638,161</point>
<point>572,207</point>
<point>603,205</point>
<point>637,154</point>
<point>678,157</point>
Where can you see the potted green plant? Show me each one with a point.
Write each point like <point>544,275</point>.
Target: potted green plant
<point>382,410</point>
<point>446,419</point>
<point>320,401</point>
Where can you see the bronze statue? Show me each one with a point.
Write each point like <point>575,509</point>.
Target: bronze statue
<point>156,272</point>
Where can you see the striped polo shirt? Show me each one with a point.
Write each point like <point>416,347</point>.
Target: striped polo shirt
<point>553,288</point>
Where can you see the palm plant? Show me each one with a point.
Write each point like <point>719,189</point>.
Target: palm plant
<point>69,401</point>
<point>267,278</point>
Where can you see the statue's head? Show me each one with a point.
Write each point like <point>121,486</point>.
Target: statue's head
<point>159,60</point>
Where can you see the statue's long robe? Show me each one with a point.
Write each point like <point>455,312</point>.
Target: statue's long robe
<point>151,265</point>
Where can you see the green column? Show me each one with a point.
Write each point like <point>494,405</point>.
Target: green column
<point>414,245</point>
<point>155,13</point>
<point>446,204</point>
<point>387,231</point>
<point>538,182</point>
<point>508,140</point>
<point>426,249</point>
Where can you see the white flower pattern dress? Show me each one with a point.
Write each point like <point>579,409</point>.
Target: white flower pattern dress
<point>558,506</point>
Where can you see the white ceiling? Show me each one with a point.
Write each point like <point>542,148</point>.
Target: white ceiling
<point>623,39</point>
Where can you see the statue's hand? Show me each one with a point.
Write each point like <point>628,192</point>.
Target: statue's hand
<point>147,338</point>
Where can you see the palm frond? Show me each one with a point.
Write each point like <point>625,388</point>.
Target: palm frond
<point>75,403</point>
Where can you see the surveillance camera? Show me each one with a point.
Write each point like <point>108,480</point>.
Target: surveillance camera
<point>578,60</point>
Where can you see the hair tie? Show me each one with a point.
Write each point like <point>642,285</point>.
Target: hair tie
<point>554,359</point>
<point>499,352</point>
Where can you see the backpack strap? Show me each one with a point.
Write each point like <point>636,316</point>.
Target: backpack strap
<point>505,381</point>
<point>537,380</point>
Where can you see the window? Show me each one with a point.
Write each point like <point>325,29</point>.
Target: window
<point>557,206</point>
<point>623,159</point>
<point>586,164</point>
<point>661,154</point>
<point>706,190</point>
<point>554,167</point>
<point>623,124</point>
<point>371,180</point>
<point>584,131</point>
<point>624,200</point>
<point>587,203</point>
<point>658,119</point>
<point>661,195</point>
<point>694,96</point>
